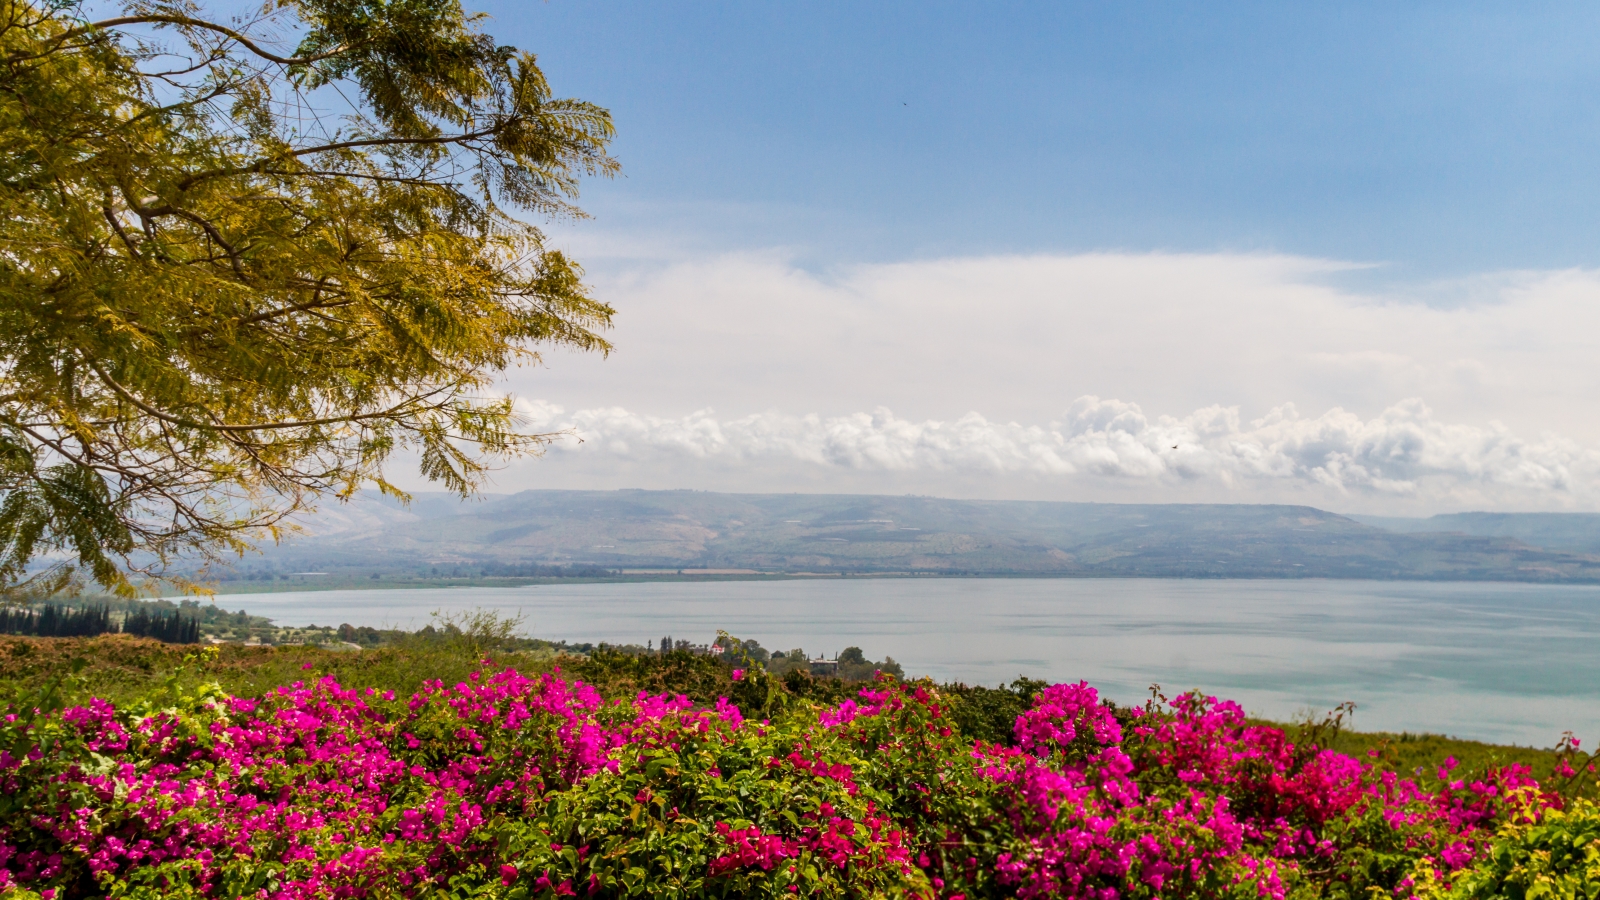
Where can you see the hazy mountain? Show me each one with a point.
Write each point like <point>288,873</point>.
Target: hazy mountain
<point>1570,532</point>
<point>851,533</point>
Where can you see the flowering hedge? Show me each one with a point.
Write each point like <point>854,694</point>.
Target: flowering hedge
<point>515,786</point>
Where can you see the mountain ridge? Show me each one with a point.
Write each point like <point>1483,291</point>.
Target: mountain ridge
<point>878,534</point>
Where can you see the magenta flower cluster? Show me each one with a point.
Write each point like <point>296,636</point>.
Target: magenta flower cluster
<point>1194,794</point>
<point>515,786</point>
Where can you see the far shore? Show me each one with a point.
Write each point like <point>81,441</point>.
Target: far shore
<point>390,582</point>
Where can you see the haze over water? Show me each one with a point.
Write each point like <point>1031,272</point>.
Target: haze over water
<point>1501,662</point>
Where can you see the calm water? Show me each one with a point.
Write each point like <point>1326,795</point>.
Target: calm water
<point>1504,662</point>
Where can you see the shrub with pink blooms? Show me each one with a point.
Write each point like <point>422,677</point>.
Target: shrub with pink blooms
<point>510,785</point>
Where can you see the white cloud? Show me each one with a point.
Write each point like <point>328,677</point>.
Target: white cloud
<point>1404,452</point>
<point>1238,337</point>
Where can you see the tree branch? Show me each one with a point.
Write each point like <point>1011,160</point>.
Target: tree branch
<point>390,413</point>
<point>308,306</point>
<point>261,164</point>
<point>188,22</point>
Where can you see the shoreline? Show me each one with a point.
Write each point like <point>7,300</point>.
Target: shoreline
<point>351,583</point>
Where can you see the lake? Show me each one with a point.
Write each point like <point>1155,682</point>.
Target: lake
<point>1503,662</point>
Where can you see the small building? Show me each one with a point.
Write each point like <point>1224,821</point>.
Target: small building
<point>824,666</point>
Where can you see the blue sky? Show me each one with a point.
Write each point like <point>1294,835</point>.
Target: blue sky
<point>1439,138</point>
<point>1338,254</point>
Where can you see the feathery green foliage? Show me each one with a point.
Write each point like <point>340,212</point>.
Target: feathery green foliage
<point>234,279</point>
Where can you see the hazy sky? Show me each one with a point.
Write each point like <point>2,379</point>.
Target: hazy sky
<point>1346,255</point>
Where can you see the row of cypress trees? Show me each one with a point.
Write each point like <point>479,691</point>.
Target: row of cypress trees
<point>52,620</point>
<point>172,627</point>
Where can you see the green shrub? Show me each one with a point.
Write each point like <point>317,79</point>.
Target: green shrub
<point>1548,855</point>
<point>989,714</point>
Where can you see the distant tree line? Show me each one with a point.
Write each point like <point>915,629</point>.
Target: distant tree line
<point>254,575</point>
<point>173,628</point>
<point>56,621</point>
<point>851,664</point>
<point>346,569</point>
<point>53,620</point>
<point>365,635</point>
<point>208,614</point>
<point>668,645</point>
<point>532,570</point>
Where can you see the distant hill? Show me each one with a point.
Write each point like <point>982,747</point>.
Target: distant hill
<point>1568,532</point>
<point>794,533</point>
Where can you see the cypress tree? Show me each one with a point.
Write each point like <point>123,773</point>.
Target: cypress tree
<point>54,620</point>
<point>172,627</point>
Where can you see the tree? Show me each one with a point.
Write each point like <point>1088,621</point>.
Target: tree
<point>238,274</point>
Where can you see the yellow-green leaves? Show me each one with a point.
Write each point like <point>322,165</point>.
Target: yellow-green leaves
<point>1550,854</point>
<point>236,274</point>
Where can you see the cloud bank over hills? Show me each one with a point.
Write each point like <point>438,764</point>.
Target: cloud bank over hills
<point>1404,452</point>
